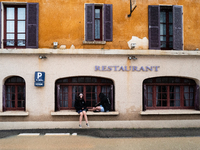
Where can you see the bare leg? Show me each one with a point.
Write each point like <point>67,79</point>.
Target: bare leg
<point>85,116</point>
<point>81,117</point>
<point>98,108</point>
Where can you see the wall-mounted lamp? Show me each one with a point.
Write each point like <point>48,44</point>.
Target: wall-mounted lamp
<point>55,45</point>
<point>132,6</point>
<point>132,57</point>
<point>43,57</point>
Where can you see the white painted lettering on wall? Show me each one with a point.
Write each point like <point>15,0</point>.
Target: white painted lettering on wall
<point>126,68</point>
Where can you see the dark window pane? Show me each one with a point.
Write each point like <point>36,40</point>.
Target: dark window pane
<point>74,80</point>
<point>88,96</point>
<point>158,103</point>
<point>88,88</point>
<point>191,89</point>
<point>8,97</point>
<point>65,104</point>
<point>12,104</point>
<point>172,96</point>
<point>186,102</point>
<point>164,88</point>
<point>171,103</point>
<point>186,88</point>
<point>150,103</point>
<point>94,80</point>
<point>88,80</point>
<point>13,97</point>
<point>150,88</point>
<point>150,96</point>
<point>80,89</point>
<point>65,89</point>
<point>61,104</point>
<point>7,104</point>
<point>19,96</point>
<point>19,104</point>
<point>186,96</point>
<point>177,103</point>
<point>148,81</point>
<point>14,79</point>
<point>191,103</point>
<point>65,80</point>
<point>65,98</point>
<point>80,80</point>
<point>23,104</point>
<point>158,80</point>
<point>88,103</point>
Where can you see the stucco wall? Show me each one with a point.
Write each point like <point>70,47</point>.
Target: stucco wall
<point>62,21</point>
<point>40,101</point>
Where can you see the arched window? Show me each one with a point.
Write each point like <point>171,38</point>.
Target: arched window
<point>14,94</point>
<point>170,93</point>
<point>68,88</point>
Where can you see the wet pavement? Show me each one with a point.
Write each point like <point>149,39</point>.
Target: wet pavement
<point>100,139</point>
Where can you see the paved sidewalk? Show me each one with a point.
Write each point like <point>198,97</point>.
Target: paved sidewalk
<point>66,142</point>
<point>112,133</point>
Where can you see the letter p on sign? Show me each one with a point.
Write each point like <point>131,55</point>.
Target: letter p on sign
<point>39,75</point>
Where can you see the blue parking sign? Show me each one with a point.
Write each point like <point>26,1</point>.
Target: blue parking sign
<point>39,78</point>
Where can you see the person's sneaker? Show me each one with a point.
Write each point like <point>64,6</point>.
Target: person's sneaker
<point>87,125</point>
<point>80,126</point>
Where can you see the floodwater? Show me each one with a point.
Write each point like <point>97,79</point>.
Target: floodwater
<point>70,142</point>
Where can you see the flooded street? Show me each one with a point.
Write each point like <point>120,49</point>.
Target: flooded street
<point>69,142</point>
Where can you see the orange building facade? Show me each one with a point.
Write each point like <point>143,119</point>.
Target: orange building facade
<point>142,54</point>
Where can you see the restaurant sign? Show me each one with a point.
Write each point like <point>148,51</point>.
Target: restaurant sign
<point>127,68</point>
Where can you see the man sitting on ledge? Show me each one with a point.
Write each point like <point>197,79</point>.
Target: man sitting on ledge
<point>103,106</point>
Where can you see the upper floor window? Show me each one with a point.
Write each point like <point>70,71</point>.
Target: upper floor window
<point>15,29</point>
<point>14,94</point>
<point>98,22</point>
<point>170,93</point>
<point>165,27</point>
<point>20,25</point>
<point>67,89</point>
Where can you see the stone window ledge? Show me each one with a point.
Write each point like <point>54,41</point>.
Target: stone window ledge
<point>170,112</point>
<point>89,113</point>
<point>94,42</point>
<point>14,113</point>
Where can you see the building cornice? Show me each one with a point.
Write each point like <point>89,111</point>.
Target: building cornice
<point>101,52</point>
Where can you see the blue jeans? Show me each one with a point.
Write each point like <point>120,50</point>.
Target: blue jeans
<point>102,109</point>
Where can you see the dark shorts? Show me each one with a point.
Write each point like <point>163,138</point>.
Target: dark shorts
<point>81,111</point>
